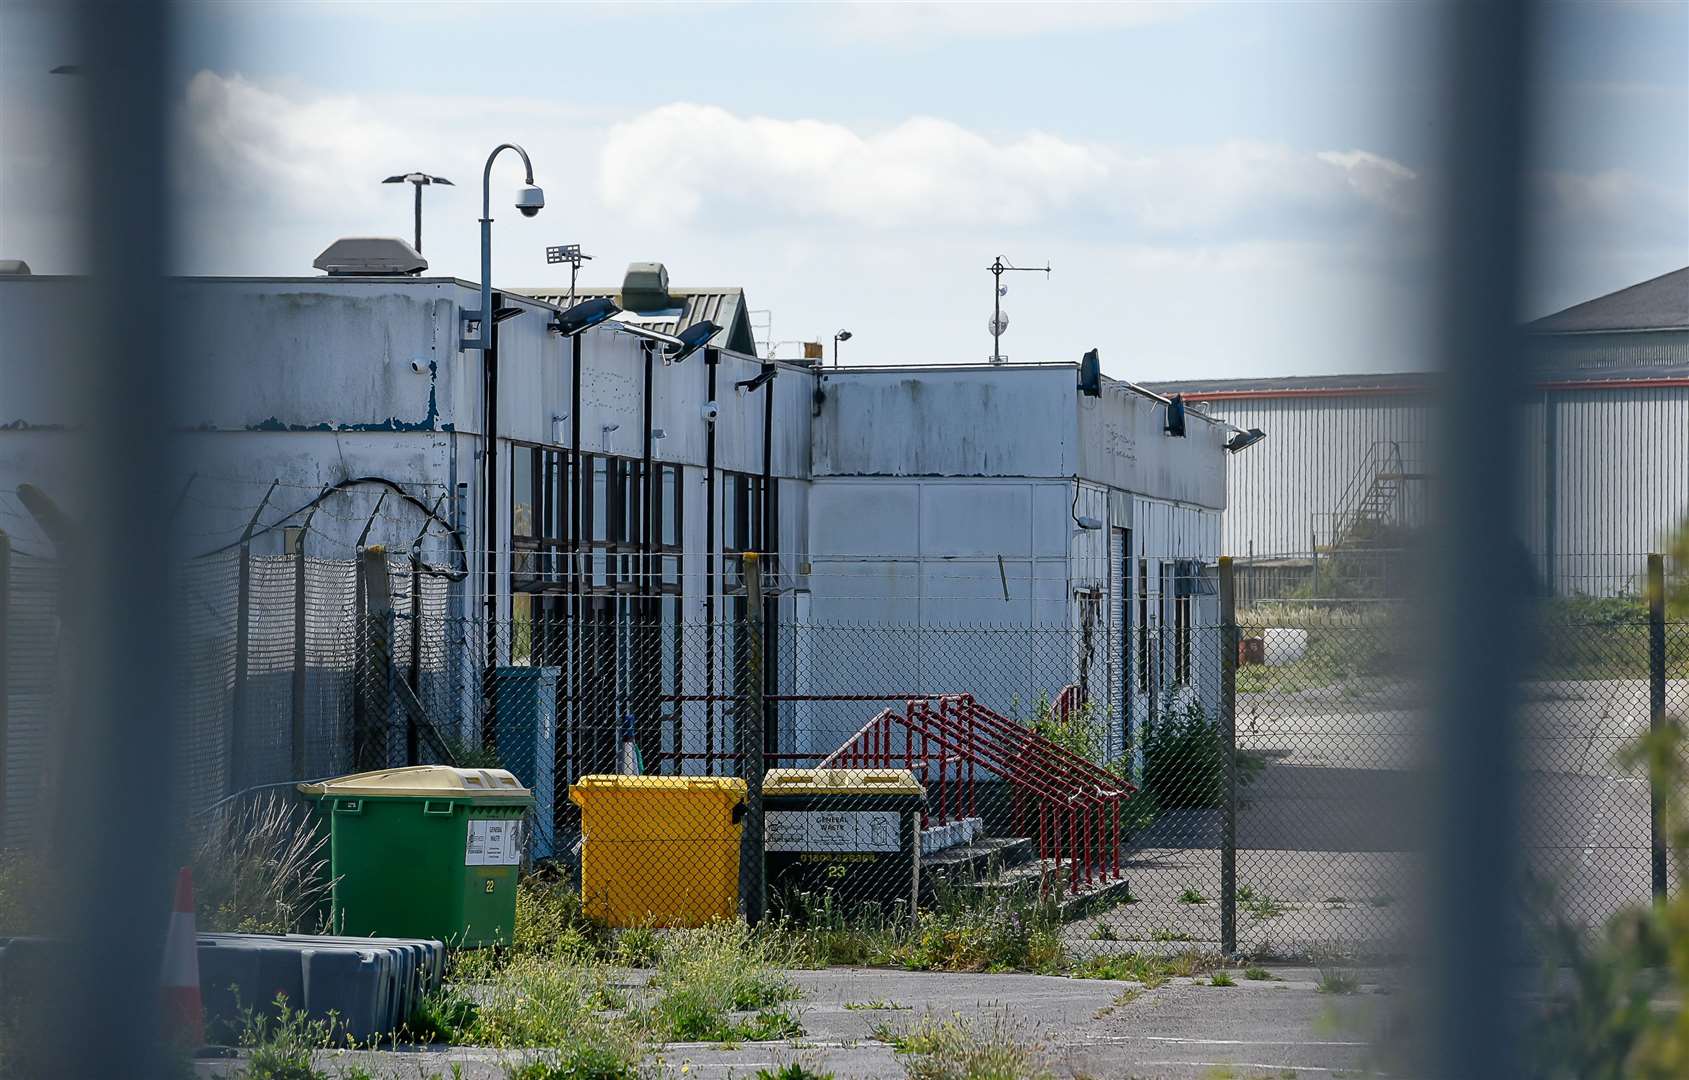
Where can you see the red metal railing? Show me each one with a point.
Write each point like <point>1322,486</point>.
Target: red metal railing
<point>948,740</point>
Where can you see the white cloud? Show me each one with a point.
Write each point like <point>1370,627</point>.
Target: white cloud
<point>667,165</point>
<point>682,163</point>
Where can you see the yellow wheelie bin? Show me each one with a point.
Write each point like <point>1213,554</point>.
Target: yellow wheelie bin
<point>660,850</point>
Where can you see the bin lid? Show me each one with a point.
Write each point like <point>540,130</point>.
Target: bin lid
<point>730,787</point>
<point>427,781</point>
<point>841,782</point>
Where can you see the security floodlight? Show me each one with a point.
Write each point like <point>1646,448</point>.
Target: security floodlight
<point>530,200</point>
<point>584,316</point>
<point>692,339</point>
<point>1243,440</point>
<point>1091,375</point>
<point>842,335</point>
<point>1176,416</point>
<point>757,380</point>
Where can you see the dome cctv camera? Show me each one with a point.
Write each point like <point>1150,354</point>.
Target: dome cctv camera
<point>530,200</point>
<point>711,410</point>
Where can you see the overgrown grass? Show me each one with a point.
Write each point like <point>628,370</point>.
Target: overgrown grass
<point>705,977</point>
<point>261,866</point>
<point>967,930</point>
<point>1148,969</point>
<point>938,1047</point>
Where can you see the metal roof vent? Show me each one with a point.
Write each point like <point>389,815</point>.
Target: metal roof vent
<point>370,256</point>
<point>645,287</point>
<point>13,268</point>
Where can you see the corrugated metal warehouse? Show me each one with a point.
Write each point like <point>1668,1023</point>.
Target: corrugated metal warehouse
<point>1606,447</point>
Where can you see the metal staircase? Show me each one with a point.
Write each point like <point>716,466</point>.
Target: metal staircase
<point>1065,828</point>
<point>1386,493</point>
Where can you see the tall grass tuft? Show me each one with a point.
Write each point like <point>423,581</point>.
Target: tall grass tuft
<point>261,866</point>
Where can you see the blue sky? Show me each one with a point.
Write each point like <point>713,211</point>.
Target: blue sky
<point>1224,189</point>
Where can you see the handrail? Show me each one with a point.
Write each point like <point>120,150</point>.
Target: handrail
<point>1078,803</point>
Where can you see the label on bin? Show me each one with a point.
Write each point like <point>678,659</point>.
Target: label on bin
<point>494,843</point>
<point>832,830</point>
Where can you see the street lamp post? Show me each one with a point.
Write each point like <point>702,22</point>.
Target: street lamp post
<point>420,180</point>
<point>529,201</point>
<point>842,335</point>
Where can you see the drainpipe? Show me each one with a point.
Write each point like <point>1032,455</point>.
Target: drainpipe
<point>770,734</point>
<point>649,673</point>
<point>711,359</point>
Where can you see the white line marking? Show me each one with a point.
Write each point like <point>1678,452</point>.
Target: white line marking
<point>1186,1040</point>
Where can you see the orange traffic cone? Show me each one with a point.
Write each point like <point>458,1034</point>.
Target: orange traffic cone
<point>184,1014</point>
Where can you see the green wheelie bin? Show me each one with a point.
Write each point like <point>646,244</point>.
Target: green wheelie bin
<point>427,851</point>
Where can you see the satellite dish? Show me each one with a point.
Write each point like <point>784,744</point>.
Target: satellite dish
<point>998,323</point>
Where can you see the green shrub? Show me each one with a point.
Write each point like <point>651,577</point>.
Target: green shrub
<point>1185,758</point>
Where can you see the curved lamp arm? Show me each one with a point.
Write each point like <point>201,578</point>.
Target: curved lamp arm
<point>485,339</point>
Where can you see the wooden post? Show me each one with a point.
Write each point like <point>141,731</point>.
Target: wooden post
<point>1656,713</point>
<point>1228,736</point>
<point>751,735</point>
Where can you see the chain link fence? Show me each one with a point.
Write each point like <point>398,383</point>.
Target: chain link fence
<point>1253,782</point>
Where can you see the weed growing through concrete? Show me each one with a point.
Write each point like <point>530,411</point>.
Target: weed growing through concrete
<point>1104,931</point>
<point>1258,974</point>
<point>1150,970</point>
<point>1261,905</point>
<point>792,1070</point>
<point>1221,978</point>
<point>876,1005</point>
<point>1335,980</point>
<point>281,1045</point>
<point>1191,896</point>
<point>706,976</point>
<point>1169,935</point>
<point>958,1048</point>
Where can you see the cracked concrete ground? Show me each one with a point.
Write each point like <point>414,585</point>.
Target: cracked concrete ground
<point>1088,1028</point>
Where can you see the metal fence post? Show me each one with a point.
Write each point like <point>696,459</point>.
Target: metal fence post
<point>296,759</point>
<point>243,650</point>
<point>751,734</point>
<point>1228,735</point>
<point>1656,711</point>
<point>236,778</point>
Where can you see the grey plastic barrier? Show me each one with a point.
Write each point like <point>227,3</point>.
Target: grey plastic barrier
<point>370,985</point>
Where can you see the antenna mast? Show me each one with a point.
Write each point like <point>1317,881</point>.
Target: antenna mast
<point>998,268</point>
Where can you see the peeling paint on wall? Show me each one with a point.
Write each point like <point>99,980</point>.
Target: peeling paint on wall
<point>392,423</point>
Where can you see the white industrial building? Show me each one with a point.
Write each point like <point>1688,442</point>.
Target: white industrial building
<point>335,413</point>
<point>1603,449</point>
